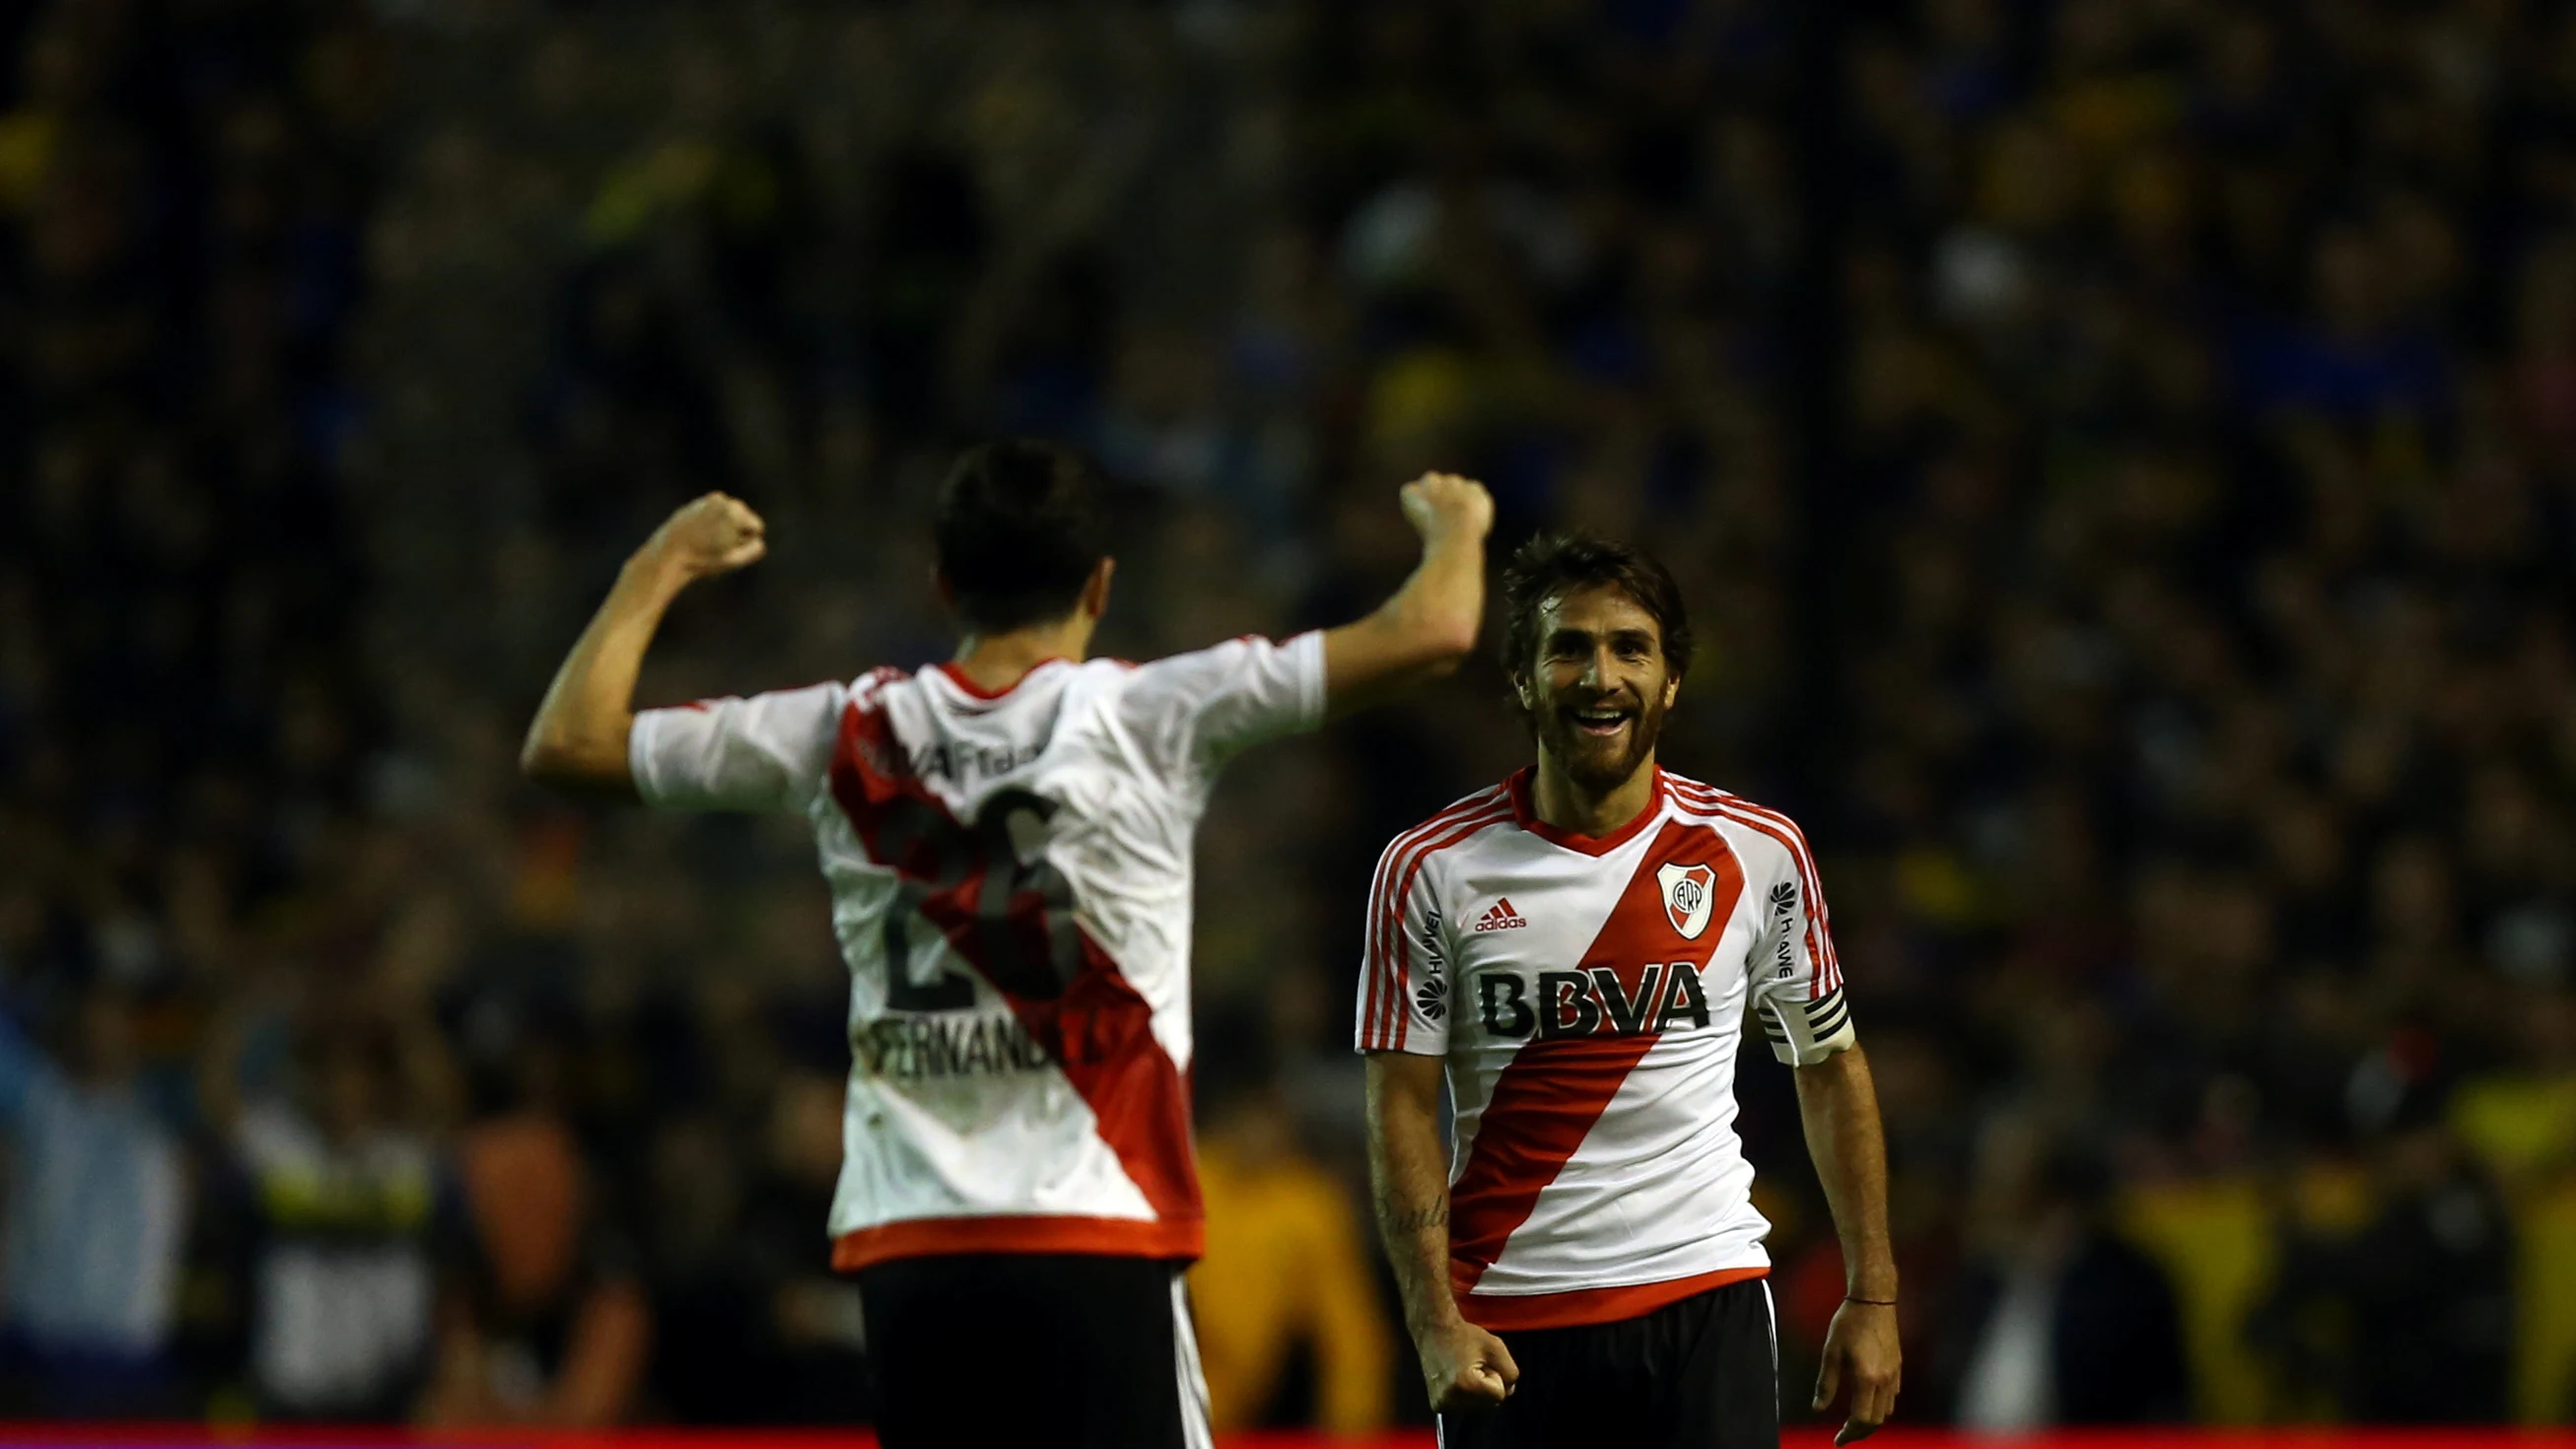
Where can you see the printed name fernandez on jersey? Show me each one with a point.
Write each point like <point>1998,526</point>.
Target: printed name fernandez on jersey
<point>1591,1057</point>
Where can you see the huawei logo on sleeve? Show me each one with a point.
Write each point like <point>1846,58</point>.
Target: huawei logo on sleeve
<point>1432,999</point>
<point>1502,917</point>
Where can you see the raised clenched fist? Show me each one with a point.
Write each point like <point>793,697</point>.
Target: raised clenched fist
<point>710,535</point>
<point>1442,506</point>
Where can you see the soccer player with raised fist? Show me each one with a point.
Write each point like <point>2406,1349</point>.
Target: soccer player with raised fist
<point>1007,837</point>
<point>1576,948</point>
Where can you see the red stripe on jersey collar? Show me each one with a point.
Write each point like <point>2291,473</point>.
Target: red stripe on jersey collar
<point>1526,816</point>
<point>957,676</point>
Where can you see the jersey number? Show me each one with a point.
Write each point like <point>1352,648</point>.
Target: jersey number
<point>1021,930</point>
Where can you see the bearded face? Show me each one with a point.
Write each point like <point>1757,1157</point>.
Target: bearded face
<point>1600,687</point>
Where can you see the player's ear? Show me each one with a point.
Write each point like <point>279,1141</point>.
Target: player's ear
<point>1672,689</point>
<point>1095,593</point>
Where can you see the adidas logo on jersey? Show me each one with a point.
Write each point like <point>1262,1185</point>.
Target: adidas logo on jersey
<point>1502,917</point>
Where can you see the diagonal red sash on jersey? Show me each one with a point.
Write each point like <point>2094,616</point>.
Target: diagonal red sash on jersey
<point>1546,1100</point>
<point>1099,1032</point>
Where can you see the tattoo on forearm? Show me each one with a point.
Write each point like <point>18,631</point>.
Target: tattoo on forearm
<point>1397,1217</point>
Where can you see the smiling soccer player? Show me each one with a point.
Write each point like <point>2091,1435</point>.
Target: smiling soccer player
<point>1577,948</point>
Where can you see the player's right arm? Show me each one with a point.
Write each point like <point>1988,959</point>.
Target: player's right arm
<point>579,739</point>
<point>1463,1366</point>
<point>1428,626</point>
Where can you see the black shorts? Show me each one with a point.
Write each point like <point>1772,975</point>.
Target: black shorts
<point>1703,1373</point>
<point>1036,1349</point>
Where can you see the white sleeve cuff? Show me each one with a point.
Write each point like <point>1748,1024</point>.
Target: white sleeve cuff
<point>641,737</point>
<point>1306,660</point>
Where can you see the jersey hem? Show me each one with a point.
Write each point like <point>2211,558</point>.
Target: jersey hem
<point>1184,1238</point>
<point>1582,1307</point>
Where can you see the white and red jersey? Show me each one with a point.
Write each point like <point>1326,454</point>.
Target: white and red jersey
<point>1010,882</point>
<point>1589,995</point>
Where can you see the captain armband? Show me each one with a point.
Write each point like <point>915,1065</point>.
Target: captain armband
<point>1804,1033</point>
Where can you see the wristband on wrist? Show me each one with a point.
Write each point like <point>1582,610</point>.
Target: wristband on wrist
<point>1872,1302</point>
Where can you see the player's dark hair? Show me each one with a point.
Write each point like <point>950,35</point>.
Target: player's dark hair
<point>1553,564</point>
<point>1021,525</point>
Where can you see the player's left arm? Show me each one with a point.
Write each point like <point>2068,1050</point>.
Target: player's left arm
<point>1427,627</point>
<point>1192,712</point>
<point>579,738</point>
<point>1838,1106</point>
<point>1798,981</point>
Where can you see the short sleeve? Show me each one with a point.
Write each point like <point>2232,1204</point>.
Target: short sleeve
<point>768,752</point>
<point>1404,972</point>
<point>1796,978</point>
<point>1197,710</point>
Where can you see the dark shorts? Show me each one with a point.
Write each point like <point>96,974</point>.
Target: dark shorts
<point>1040,1350</point>
<point>1703,1373</point>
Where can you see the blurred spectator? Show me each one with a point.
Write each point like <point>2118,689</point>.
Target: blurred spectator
<point>715,1349</point>
<point>749,1325</point>
<point>343,1219</point>
<point>1290,1325</point>
<point>97,1218</point>
<point>2519,1119</point>
<point>2409,1319</point>
<point>814,1319</point>
<point>559,1333</point>
<point>2065,1322</point>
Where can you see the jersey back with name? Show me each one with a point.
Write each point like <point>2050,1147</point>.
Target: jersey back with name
<point>1588,994</point>
<point>1011,890</point>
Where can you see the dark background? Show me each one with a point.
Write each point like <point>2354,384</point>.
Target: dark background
<point>2118,452</point>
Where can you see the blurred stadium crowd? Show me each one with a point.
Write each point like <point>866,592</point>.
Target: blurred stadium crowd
<point>2174,667</point>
